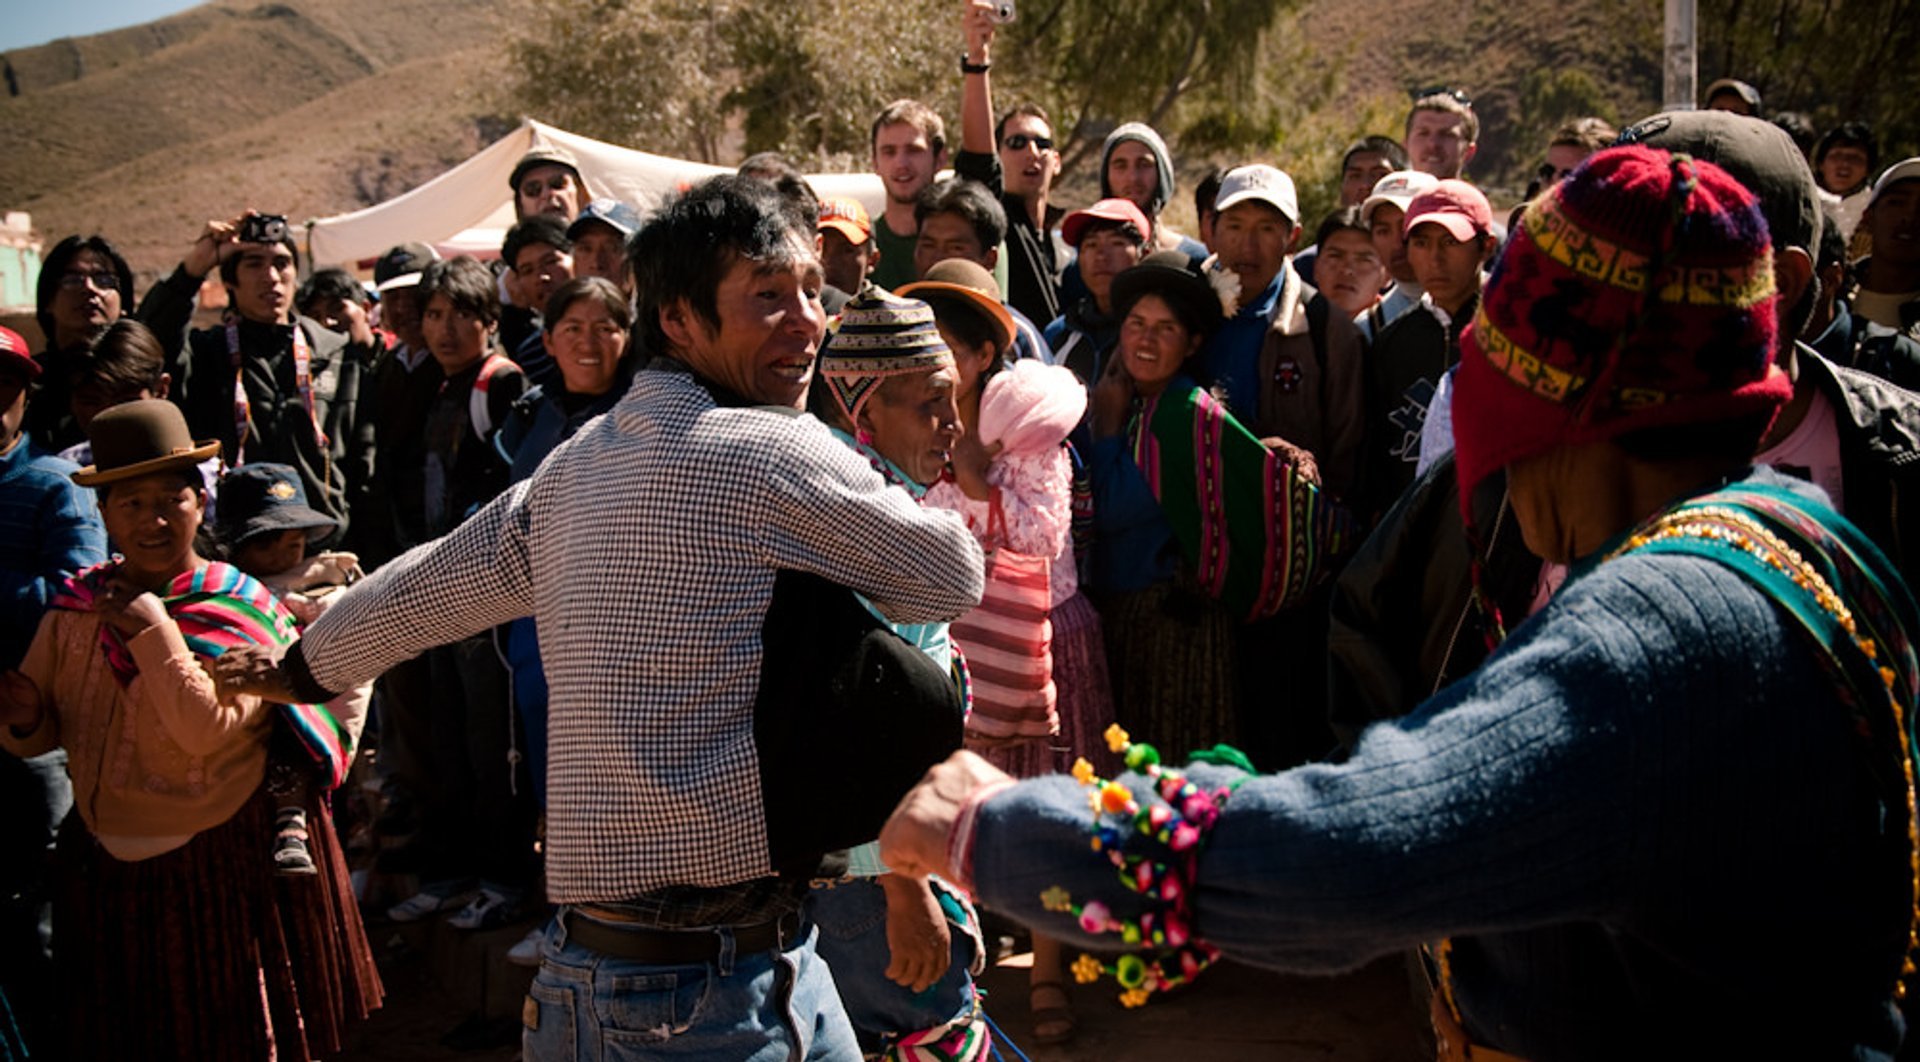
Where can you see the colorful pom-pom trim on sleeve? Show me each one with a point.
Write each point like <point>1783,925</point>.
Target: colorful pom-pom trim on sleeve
<point>1172,834</point>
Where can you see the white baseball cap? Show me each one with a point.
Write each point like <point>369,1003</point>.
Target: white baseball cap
<point>1904,170</point>
<point>1263,183</point>
<point>1399,188</point>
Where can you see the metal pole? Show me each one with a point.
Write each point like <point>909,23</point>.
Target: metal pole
<point>1682,72</point>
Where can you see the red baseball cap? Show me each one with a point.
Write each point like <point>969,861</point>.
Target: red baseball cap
<point>1122,210</point>
<point>13,351</point>
<point>1456,206</point>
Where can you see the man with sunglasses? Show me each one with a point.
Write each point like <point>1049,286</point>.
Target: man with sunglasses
<point>546,180</point>
<point>1442,131</point>
<point>1569,147</point>
<point>1016,160</point>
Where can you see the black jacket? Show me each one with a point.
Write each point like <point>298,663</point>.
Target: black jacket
<point>1033,273</point>
<point>1404,623</point>
<point>203,378</point>
<point>1403,369</point>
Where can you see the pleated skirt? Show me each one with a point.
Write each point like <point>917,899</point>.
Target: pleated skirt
<point>1170,652</point>
<point>204,952</point>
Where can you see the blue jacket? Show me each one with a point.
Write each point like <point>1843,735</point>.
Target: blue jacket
<point>48,526</point>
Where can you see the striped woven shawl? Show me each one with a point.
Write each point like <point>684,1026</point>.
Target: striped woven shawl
<point>217,608</point>
<point>1258,536</point>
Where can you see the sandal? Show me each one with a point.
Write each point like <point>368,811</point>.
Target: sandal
<point>290,854</point>
<point>1051,1025</point>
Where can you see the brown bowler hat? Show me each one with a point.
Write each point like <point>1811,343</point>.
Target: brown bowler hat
<point>135,438</point>
<point>972,284</point>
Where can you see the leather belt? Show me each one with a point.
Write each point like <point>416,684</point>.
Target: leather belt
<point>677,947</point>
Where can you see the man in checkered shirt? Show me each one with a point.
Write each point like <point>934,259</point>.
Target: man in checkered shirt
<point>646,549</point>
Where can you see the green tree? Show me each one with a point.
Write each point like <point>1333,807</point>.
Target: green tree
<point>1832,59</point>
<point>649,73</point>
<point>1097,63</point>
<point>712,79</point>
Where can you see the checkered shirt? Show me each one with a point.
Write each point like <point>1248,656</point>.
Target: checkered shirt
<point>645,548</point>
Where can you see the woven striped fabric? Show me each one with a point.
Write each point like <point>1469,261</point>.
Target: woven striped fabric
<point>1008,642</point>
<point>217,608</point>
<point>1258,536</point>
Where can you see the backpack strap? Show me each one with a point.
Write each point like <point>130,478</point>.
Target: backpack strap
<point>479,410</point>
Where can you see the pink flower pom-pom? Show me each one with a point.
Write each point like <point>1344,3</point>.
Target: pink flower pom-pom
<point>1094,917</point>
<point>1185,836</point>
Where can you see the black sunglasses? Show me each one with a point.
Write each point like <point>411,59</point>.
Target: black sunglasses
<point>1448,91</point>
<point>1019,142</point>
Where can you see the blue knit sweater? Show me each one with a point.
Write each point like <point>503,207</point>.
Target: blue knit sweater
<point>47,526</point>
<point>1642,822</point>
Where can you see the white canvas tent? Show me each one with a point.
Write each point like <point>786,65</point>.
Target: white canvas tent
<point>468,209</point>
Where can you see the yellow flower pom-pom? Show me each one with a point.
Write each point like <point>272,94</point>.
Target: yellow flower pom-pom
<point>1086,970</point>
<point>1117,739</point>
<point>1056,899</point>
<point>1134,997</point>
<point>1083,771</point>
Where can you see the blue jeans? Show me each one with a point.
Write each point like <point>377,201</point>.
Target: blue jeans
<point>852,916</point>
<point>762,1007</point>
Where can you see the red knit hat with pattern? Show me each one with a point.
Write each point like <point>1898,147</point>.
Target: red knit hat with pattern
<point>1637,294</point>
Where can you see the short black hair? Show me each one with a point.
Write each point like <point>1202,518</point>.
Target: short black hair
<point>525,233</point>
<point>1020,110</point>
<point>686,248</point>
<point>1341,219</point>
<point>466,282</point>
<point>1206,194</point>
<point>1798,126</point>
<point>1856,134</point>
<point>968,199</point>
<point>54,266</point>
<point>1387,146</point>
<point>329,283</point>
<point>776,169</point>
<point>124,358</point>
<point>598,289</point>
<point>230,265</point>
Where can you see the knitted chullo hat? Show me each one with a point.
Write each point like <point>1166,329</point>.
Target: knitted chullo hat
<point>879,335</point>
<point>1637,294</point>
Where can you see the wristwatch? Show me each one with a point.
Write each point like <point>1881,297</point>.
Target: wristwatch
<point>969,67</point>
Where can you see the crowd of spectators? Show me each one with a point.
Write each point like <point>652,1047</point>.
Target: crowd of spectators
<point>653,561</point>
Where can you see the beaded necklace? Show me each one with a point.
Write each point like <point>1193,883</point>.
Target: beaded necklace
<point>1732,528</point>
<point>1176,831</point>
<point>1872,666</point>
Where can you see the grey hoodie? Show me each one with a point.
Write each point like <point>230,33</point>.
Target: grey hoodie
<point>1162,159</point>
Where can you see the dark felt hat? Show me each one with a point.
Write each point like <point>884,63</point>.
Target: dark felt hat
<point>263,498</point>
<point>136,438</point>
<point>544,155</point>
<point>1172,276</point>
